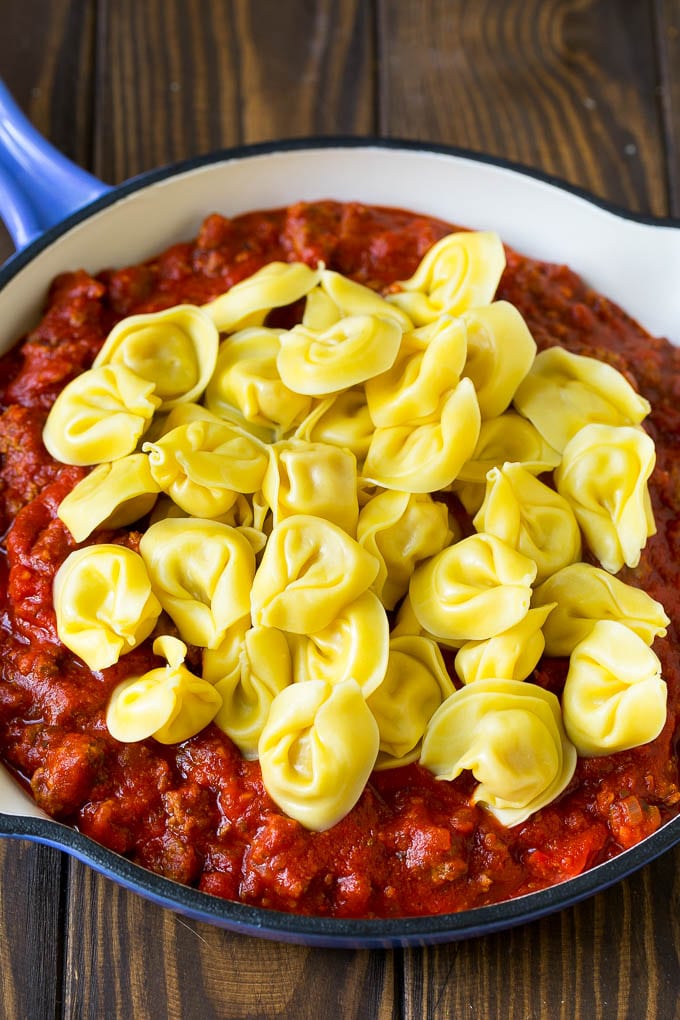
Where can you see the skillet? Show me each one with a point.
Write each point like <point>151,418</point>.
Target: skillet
<point>60,217</point>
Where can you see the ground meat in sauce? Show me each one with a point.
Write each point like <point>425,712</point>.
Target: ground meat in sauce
<point>198,812</point>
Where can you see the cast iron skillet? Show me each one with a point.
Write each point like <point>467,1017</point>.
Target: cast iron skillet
<point>63,218</point>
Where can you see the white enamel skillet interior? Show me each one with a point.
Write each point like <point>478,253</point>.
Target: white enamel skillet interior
<point>633,260</point>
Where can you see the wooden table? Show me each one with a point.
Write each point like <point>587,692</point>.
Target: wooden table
<point>586,89</point>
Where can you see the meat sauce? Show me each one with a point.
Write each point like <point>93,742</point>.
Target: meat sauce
<point>197,812</point>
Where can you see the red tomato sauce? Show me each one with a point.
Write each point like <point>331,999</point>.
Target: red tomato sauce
<point>197,812</point>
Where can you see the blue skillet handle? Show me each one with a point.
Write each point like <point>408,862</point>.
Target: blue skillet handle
<point>39,186</point>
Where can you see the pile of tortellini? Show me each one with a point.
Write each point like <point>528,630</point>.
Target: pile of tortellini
<point>289,478</point>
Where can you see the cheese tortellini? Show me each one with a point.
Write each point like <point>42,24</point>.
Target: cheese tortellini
<point>513,654</point>
<point>415,684</point>
<point>603,474</point>
<point>401,529</point>
<point>175,349</point>
<point>246,381</point>
<point>614,697</point>
<point>582,594</point>
<point>111,496</point>
<point>565,391</point>
<point>204,465</point>
<point>247,690</point>
<point>309,572</point>
<point>104,603</point>
<point>312,478</point>
<point>500,352</point>
<point>248,302</point>
<point>202,572</point>
<point>168,703</point>
<point>459,272</point>
<point>510,735</point>
<point>99,416</point>
<point>317,750</point>
<point>531,517</point>
<point>476,588</point>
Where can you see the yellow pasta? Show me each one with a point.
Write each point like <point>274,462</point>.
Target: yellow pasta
<point>312,478</point>
<point>565,391</point>
<point>459,272</point>
<point>531,517</point>
<point>585,594</point>
<point>224,661</point>
<point>424,456</point>
<point>175,349</point>
<point>513,654</point>
<point>614,697</point>
<point>401,529</point>
<point>349,352</point>
<point>603,475</point>
<point>103,603</point>
<point>317,750</point>
<point>310,570</point>
<point>473,590</point>
<point>99,416</point>
<point>168,703</point>
<point>352,298</point>
<point>111,496</point>
<point>248,302</point>
<point>429,363</point>
<point>246,382</point>
<point>354,646</point>
<point>414,687</point>
<point>501,351</point>
<point>247,692</point>
<point>508,438</point>
<point>342,419</point>
<point>510,735</point>
<point>203,465</point>
<point>201,572</point>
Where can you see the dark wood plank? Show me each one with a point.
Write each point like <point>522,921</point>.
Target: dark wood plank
<point>150,962</point>
<point>615,955</point>
<point>668,41</point>
<point>30,923</point>
<point>177,79</point>
<point>568,87</point>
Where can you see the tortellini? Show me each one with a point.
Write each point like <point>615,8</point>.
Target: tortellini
<point>584,594</point>
<point>354,646</point>
<point>459,272</point>
<point>312,478</point>
<point>342,419</point>
<point>175,349</point>
<point>531,517</point>
<point>246,381</point>
<point>204,465</point>
<point>202,572</point>
<point>263,670</point>
<point>603,474</point>
<point>415,684</point>
<point>168,703</point>
<point>500,352</point>
<point>426,455</point>
<point>310,570</point>
<point>565,391</point>
<point>401,530</point>
<point>351,298</point>
<point>508,438</point>
<point>429,363</point>
<point>512,654</point>
<point>474,589</point>
<point>103,603</point>
<point>317,750</point>
<point>614,697</point>
<point>248,302</point>
<point>510,735</point>
<point>354,349</point>
<point>111,496</point>
<point>99,416</point>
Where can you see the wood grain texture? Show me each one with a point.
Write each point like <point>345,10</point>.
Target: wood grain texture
<point>569,86</point>
<point>668,44</point>
<point>178,78</point>
<point>31,923</point>
<point>168,966</point>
